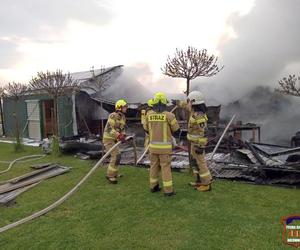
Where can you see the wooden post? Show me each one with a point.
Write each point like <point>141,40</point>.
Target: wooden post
<point>253,135</point>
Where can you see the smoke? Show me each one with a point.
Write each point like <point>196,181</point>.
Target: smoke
<point>128,85</point>
<point>265,48</point>
<point>135,84</point>
<point>277,115</point>
<point>266,44</point>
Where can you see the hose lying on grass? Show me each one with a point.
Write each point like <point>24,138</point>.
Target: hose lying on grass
<point>65,197</point>
<point>21,159</point>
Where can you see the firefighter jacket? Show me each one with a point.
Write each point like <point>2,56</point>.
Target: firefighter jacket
<point>160,127</point>
<point>197,126</point>
<point>144,113</point>
<point>115,125</point>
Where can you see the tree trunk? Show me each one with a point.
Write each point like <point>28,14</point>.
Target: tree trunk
<point>187,86</point>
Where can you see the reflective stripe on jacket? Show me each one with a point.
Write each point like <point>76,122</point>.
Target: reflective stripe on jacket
<point>160,127</point>
<point>197,126</point>
<point>115,125</point>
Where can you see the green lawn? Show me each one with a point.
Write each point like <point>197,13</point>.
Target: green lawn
<point>127,216</point>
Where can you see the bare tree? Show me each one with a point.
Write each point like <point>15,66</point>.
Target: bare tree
<point>289,85</point>
<point>190,64</point>
<point>16,92</point>
<point>56,84</point>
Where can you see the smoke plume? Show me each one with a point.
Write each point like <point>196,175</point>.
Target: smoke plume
<point>265,49</point>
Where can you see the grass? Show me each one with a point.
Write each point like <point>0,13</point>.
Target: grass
<point>127,216</point>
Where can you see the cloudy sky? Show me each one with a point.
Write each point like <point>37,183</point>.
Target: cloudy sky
<point>257,40</point>
<point>75,35</point>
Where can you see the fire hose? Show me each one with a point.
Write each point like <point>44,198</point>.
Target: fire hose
<point>142,156</point>
<point>219,141</point>
<point>66,196</point>
<point>11,163</point>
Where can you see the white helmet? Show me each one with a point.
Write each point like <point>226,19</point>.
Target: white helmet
<point>196,97</point>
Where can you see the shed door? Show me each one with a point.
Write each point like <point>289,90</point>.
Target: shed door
<point>33,116</point>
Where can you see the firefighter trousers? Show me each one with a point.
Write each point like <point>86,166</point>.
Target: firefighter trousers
<point>161,162</point>
<point>203,172</point>
<point>115,157</point>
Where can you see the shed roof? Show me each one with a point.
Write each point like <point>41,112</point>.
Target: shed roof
<point>83,76</point>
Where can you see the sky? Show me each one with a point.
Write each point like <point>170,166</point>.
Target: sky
<point>256,40</point>
<point>75,35</point>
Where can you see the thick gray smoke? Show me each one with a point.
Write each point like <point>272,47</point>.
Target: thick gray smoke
<point>267,43</point>
<point>277,115</point>
<point>127,85</point>
<point>131,84</point>
<point>266,47</point>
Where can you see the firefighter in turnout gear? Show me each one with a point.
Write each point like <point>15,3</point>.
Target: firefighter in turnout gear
<point>160,124</point>
<point>115,131</point>
<point>144,113</point>
<point>197,126</point>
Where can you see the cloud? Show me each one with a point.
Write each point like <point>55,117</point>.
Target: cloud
<point>8,53</point>
<point>27,17</point>
<point>38,20</point>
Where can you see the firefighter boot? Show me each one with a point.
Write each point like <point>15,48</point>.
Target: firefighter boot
<point>204,187</point>
<point>155,189</point>
<point>169,194</point>
<point>197,181</point>
<point>112,180</point>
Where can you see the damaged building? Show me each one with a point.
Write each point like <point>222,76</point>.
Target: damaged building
<point>82,116</point>
<point>35,109</point>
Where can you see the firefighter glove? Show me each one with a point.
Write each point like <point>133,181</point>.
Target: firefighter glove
<point>121,137</point>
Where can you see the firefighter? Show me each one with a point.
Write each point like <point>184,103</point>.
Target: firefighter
<point>160,124</point>
<point>144,113</point>
<point>196,136</point>
<point>115,131</point>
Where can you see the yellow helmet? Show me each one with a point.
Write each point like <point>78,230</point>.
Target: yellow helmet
<point>160,97</point>
<point>150,102</point>
<point>120,103</point>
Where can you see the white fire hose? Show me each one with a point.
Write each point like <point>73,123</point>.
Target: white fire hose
<point>65,197</point>
<point>219,141</point>
<point>21,159</point>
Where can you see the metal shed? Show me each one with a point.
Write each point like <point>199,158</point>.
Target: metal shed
<point>35,110</point>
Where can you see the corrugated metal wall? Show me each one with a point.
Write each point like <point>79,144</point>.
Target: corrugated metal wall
<point>65,115</point>
<point>9,120</point>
